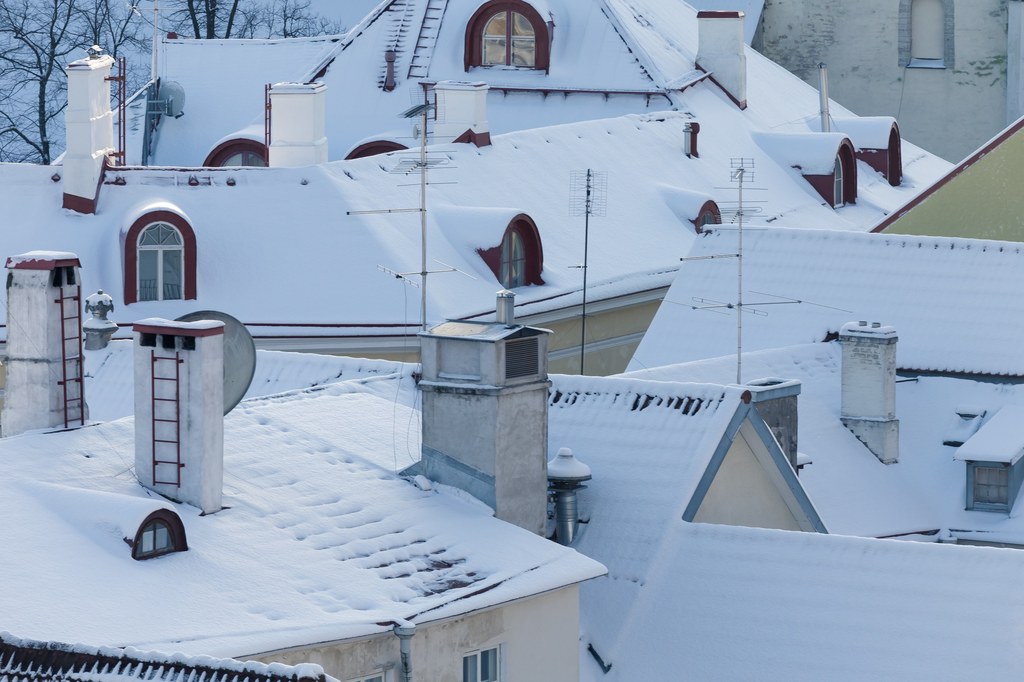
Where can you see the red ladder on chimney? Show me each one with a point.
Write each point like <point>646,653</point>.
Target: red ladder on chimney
<point>71,354</point>
<point>172,419</point>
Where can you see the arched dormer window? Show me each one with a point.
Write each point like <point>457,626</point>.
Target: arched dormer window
<point>160,533</point>
<point>507,33</point>
<point>374,148</point>
<point>709,214</point>
<point>238,152</point>
<point>844,182</point>
<point>159,259</point>
<point>519,259</point>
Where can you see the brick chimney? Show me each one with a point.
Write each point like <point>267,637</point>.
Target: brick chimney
<point>721,52</point>
<point>90,130</point>
<point>485,415</point>
<point>44,343</point>
<point>462,113</point>
<point>297,112</point>
<point>869,387</point>
<point>179,410</point>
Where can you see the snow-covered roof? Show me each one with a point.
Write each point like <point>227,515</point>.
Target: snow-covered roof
<point>1001,439</point>
<point>731,603</point>
<point>320,540</point>
<point>950,300</point>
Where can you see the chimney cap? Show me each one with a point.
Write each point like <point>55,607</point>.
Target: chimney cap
<point>565,468</point>
<point>863,329</point>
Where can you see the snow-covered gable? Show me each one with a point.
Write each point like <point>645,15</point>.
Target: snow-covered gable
<point>320,540</point>
<point>1001,439</point>
<point>949,299</point>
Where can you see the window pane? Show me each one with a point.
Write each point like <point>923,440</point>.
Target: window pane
<point>147,540</point>
<point>148,275</point>
<point>494,51</point>
<point>489,665</point>
<point>150,236</point>
<point>990,485</point>
<point>927,29</point>
<point>521,26</point>
<point>469,669</point>
<point>497,26</point>
<point>168,235</point>
<point>163,537</point>
<point>523,53</point>
<point>172,274</point>
<point>837,192</point>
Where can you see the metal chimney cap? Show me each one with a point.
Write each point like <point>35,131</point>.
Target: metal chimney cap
<point>565,468</point>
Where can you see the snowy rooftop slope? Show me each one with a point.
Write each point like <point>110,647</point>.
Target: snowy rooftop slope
<point>1001,439</point>
<point>856,494</point>
<point>23,660</point>
<point>729,603</point>
<point>317,543</point>
<point>301,216</point>
<point>950,300</point>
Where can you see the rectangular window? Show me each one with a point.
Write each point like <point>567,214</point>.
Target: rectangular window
<point>373,677</point>
<point>481,666</point>
<point>990,485</point>
<point>148,275</point>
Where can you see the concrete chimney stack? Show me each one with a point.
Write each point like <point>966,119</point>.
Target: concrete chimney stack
<point>776,402</point>
<point>869,387</point>
<point>89,123</point>
<point>297,113</point>
<point>461,114</point>
<point>485,416</point>
<point>179,410</point>
<point>721,52</point>
<point>45,386</point>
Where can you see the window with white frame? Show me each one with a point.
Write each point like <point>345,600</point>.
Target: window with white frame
<point>160,263</point>
<point>482,666</point>
<point>991,485</point>
<point>378,676</point>
<point>837,194</point>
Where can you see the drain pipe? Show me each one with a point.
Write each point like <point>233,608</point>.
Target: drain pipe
<point>405,633</point>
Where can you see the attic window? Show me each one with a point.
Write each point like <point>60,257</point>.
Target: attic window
<point>519,259</point>
<point>709,214</point>
<point>238,152</point>
<point>159,259</point>
<point>374,148</point>
<point>988,485</point>
<point>507,33</point>
<point>160,533</point>
<point>927,34</point>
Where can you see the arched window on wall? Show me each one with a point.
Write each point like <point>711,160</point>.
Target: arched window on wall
<point>159,259</point>
<point>519,259</point>
<point>507,33</point>
<point>927,33</point>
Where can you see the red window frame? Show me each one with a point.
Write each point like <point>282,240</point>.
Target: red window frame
<point>474,51</point>
<point>131,253</point>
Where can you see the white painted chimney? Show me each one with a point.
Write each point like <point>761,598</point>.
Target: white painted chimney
<point>461,114</point>
<point>721,52</point>
<point>89,123</point>
<point>297,112</point>
<point>179,410</point>
<point>485,416</point>
<point>44,343</point>
<point>869,387</point>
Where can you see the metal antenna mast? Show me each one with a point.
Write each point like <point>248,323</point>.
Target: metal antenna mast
<point>742,169</point>
<point>589,196</point>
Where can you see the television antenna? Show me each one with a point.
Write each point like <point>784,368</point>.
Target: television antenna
<point>421,164</point>
<point>588,196</point>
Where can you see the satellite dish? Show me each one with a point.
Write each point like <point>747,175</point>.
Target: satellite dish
<point>239,355</point>
<point>174,96</point>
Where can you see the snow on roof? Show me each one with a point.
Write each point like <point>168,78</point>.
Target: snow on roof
<point>866,132</point>
<point>948,299</point>
<point>727,603</point>
<point>319,539</point>
<point>1001,439</point>
<point>24,660</point>
<point>811,153</point>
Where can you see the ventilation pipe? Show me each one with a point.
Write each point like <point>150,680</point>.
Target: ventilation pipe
<point>869,387</point>
<point>297,136</point>
<point>690,131</point>
<point>461,113</point>
<point>505,311</point>
<point>826,126</point>
<point>405,634</point>
<point>98,329</point>
<point>566,475</point>
<point>721,52</point>
<point>89,125</point>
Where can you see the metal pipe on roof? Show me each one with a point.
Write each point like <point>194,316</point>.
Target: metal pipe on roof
<point>823,94</point>
<point>405,634</point>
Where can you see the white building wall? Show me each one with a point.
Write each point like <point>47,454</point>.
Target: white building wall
<point>297,124</point>
<point>950,111</point>
<point>538,638</point>
<point>89,125</point>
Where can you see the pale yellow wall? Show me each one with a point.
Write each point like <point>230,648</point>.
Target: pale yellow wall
<point>743,494</point>
<point>983,201</point>
<point>539,640</point>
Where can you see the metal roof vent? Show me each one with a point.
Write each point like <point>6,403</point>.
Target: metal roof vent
<point>566,475</point>
<point>522,357</point>
<point>505,309</point>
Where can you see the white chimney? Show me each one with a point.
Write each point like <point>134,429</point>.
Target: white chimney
<point>297,112</point>
<point>44,343</point>
<point>179,410</point>
<point>721,52</point>
<point>485,416</point>
<point>89,123</point>
<point>869,387</point>
<point>461,114</point>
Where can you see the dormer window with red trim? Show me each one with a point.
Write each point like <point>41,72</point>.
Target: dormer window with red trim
<point>238,152</point>
<point>160,533</point>
<point>507,33</point>
<point>519,259</point>
<point>159,259</point>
